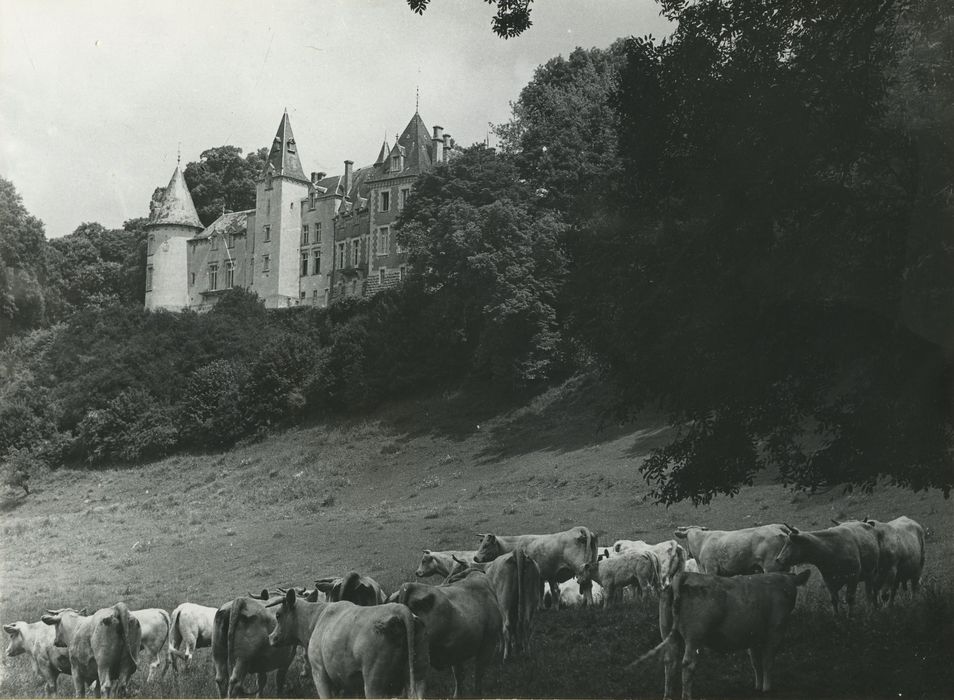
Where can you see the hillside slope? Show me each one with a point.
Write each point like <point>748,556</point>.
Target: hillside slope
<point>369,494</point>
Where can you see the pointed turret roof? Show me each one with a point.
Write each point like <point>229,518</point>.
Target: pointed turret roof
<point>174,205</point>
<point>418,145</point>
<point>283,155</point>
<point>383,153</point>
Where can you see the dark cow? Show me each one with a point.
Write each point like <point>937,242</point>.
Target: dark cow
<point>725,614</point>
<point>358,589</point>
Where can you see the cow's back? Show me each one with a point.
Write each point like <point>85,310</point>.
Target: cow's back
<point>734,552</point>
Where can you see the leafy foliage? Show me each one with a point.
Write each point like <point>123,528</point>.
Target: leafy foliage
<point>222,179</point>
<point>512,18</point>
<point>757,280</point>
<point>492,259</point>
<point>23,268</point>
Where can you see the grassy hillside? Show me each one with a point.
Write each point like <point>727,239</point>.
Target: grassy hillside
<point>370,494</point>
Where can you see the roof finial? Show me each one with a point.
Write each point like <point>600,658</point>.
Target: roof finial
<point>179,155</point>
<point>417,99</point>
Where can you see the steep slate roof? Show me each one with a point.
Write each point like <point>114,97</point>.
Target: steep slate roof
<point>383,153</point>
<point>283,156</point>
<point>232,222</point>
<point>417,147</point>
<point>174,205</point>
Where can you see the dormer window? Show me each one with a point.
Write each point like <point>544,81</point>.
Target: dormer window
<point>291,145</point>
<point>395,164</point>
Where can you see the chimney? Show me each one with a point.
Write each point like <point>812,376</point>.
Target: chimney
<point>316,177</point>
<point>348,176</point>
<point>438,144</point>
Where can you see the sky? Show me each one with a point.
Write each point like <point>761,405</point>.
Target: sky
<point>98,96</point>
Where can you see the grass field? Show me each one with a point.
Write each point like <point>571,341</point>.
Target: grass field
<point>369,494</point>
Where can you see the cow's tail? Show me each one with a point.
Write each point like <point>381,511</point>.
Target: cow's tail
<point>175,635</point>
<point>238,606</point>
<point>168,641</point>
<point>412,689</point>
<point>654,653</point>
<point>127,623</point>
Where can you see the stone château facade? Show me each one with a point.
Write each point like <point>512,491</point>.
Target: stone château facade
<point>307,241</point>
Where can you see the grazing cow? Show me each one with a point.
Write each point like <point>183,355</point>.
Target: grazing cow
<point>381,651</point>
<point>103,647</point>
<point>463,621</point>
<point>559,555</point>
<point>441,563</point>
<point>516,581</point>
<point>36,640</point>
<point>844,555</point>
<point>734,552</point>
<point>191,629</point>
<point>900,554</point>
<point>240,646</point>
<point>627,568</point>
<point>725,614</point>
<point>358,589</point>
<point>154,626</point>
<point>572,597</point>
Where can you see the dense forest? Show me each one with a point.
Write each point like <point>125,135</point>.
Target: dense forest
<point>747,225</point>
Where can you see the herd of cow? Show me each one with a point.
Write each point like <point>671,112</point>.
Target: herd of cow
<point>727,590</point>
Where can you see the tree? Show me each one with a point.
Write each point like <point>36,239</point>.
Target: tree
<point>753,277</point>
<point>512,18</point>
<point>23,269</point>
<point>562,134</point>
<point>222,179</point>
<point>491,259</point>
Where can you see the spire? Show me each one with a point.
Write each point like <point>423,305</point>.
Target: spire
<point>174,205</point>
<point>417,142</point>
<point>383,153</point>
<point>417,100</point>
<point>283,155</point>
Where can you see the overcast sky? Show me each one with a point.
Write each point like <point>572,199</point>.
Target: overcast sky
<point>95,95</point>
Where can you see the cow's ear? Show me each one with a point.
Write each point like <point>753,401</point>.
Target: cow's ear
<point>679,532</point>
<point>290,596</point>
<point>10,629</point>
<point>427,552</point>
<point>792,530</point>
<point>264,594</point>
<point>582,537</point>
<point>50,619</point>
<point>82,612</point>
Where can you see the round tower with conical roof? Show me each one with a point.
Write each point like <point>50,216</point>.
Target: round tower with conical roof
<point>173,220</point>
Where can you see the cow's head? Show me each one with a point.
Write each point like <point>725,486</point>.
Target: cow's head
<point>428,565</point>
<point>602,553</point>
<point>63,620</point>
<point>16,646</point>
<point>584,576</point>
<point>488,550</point>
<point>284,632</point>
<point>790,552</point>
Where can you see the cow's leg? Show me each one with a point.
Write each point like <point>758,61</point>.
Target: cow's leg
<point>755,656</point>
<point>851,591</point>
<point>79,687</point>
<point>554,589</point>
<point>768,657</point>
<point>458,679</point>
<point>688,667</point>
<point>280,675</point>
<point>262,680</point>
<point>237,678</point>
<point>671,656</point>
<point>833,588</point>
<point>322,681</point>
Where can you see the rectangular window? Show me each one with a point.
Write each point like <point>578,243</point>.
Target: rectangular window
<point>381,275</point>
<point>405,193</point>
<point>213,277</point>
<point>150,244</point>
<point>311,201</point>
<point>214,240</point>
<point>341,255</point>
<point>318,232</point>
<point>384,240</point>
<point>149,277</point>
<point>395,163</point>
<point>304,234</point>
<point>266,260</point>
<point>355,252</point>
<point>403,272</point>
<point>231,240</point>
<point>192,282</point>
<point>304,264</point>
<point>314,294</point>
<point>268,232</point>
<point>385,201</point>
<point>230,275</point>
<point>302,295</point>
<point>316,268</point>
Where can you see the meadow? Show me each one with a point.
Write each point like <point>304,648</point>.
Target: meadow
<point>369,494</point>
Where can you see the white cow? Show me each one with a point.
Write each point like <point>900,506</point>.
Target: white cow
<point>191,630</point>
<point>154,625</point>
<point>36,640</point>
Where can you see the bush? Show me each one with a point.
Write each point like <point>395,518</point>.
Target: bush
<point>131,427</point>
<point>210,413</point>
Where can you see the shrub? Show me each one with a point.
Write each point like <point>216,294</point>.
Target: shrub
<point>131,427</point>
